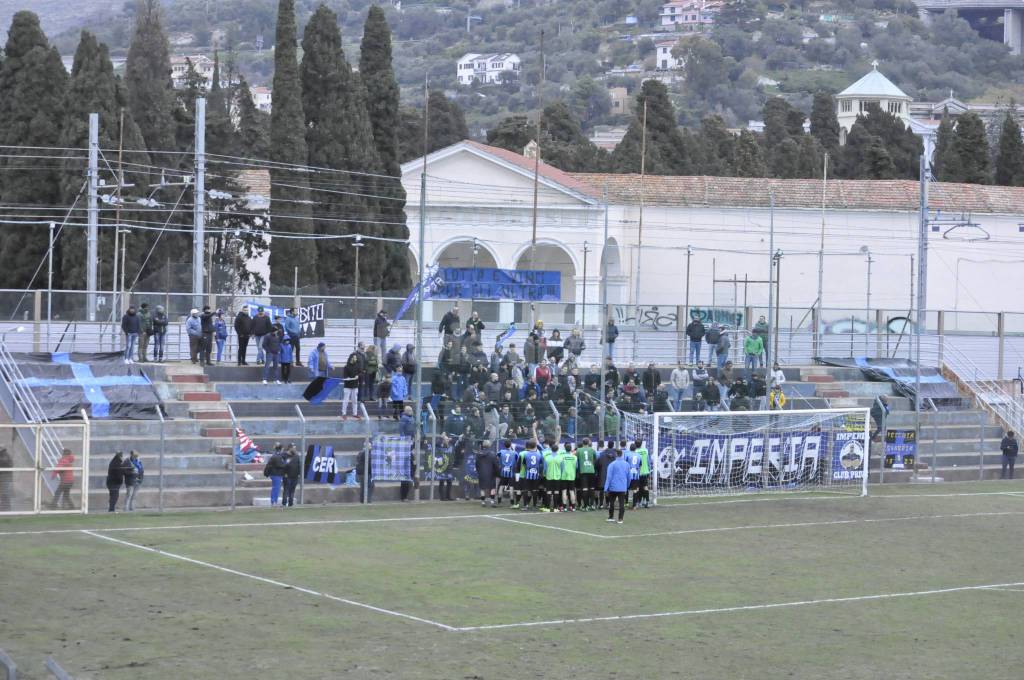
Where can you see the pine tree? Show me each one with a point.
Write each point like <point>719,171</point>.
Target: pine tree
<point>447,121</point>
<point>749,156</point>
<point>377,77</point>
<point>564,145</point>
<point>289,190</point>
<point>151,98</point>
<point>718,148</point>
<point>512,133</point>
<point>338,135</point>
<point>32,89</point>
<point>969,158</point>
<point>781,121</point>
<point>875,161</point>
<point>824,123</point>
<point>666,152</point>
<point>1010,161</point>
<point>941,155</point>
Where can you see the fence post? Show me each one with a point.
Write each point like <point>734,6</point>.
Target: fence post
<point>883,433</point>
<point>433,448</point>
<point>1001,332</point>
<point>879,329</point>
<point>981,445</point>
<point>86,455</point>
<point>234,460</point>
<point>160,464</point>
<point>367,448</point>
<point>935,445</point>
<point>680,326</point>
<point>57,671</point>
<point>37,318</point>
<point>302,472</point>
<point>940,329</point>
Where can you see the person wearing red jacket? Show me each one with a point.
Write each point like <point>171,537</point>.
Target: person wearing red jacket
<point>65,473</point>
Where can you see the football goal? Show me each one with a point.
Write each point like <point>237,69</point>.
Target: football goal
<point>738,452</point>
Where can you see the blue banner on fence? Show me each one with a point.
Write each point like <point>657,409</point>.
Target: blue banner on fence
<point>321,466</point>
<point>500,284</point>
<point>391,458</point>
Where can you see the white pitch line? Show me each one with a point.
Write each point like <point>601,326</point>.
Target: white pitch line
<point>1010,590</point>
<point>784,497</point>
<point>746,527</point>
<point>245,524</point>
<point>545,526</point>
<point>742,608</point>
<point>262,579</point>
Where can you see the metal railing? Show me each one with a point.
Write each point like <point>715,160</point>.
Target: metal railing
<point>302,474</point>
<point>234,460</point>
<point>20,400</point>
<point>433,447</point>
<point>991,395</point>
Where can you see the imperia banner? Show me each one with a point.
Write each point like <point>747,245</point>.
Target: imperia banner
<point>753,458</point>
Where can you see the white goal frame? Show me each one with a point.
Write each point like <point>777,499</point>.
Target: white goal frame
<point>832,412</point>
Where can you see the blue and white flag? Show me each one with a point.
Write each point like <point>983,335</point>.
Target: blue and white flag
<point>506,334</point>
<point>391,458</point>
<point>432,281</point>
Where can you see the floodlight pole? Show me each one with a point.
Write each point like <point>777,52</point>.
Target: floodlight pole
<point>604,321</point>
<point>922,278</point>
<point>771,282</point>
<point>417,405</point>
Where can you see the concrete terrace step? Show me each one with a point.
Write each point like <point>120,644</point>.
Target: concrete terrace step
<point>207,477</point>
<point>190,379</point>
<point>106,446</point>
<point>929,418</point>
<point>176,461</point>
<point>218,415</point>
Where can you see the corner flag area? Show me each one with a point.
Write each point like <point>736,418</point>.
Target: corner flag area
<point>912,581</point>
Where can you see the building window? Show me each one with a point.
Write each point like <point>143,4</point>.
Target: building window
<point>846,106</point>
<point>895,107</point>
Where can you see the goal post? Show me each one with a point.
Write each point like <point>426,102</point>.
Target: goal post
<point>739,452</point>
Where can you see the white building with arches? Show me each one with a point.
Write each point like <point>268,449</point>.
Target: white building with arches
<point>480,198</point>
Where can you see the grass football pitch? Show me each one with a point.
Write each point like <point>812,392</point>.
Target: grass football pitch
<point>910,582</point>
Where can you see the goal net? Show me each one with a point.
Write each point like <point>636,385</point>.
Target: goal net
<point>723,452</point>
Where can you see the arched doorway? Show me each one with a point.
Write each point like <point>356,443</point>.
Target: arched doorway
<point>550,257</point>
<point>616,282</point>
<point>468,253</point>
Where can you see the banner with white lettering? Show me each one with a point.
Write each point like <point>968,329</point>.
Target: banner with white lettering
<point>321,467</point>
<point>753,459</point>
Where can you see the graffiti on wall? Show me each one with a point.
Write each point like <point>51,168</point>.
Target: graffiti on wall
<point>666,317</point>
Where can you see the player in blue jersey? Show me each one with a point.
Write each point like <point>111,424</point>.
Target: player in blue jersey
<point>635,462</point>
<point>508,472</point>
<point>533,471</point>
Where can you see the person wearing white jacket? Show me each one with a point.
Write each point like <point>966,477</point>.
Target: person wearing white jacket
<point>679,386</point>
<point>778,377</point>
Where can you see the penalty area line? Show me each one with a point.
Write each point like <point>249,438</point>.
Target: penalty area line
<point>263,579</point>
<point>742,608</point>
<point>791,525</point>
<point>544,526</point>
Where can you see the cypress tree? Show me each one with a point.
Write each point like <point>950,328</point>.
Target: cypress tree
<point>512,133</point>
<point>32,88</point>
<point>749,156</point>
<point>564,145</point>
<point>875,161</point>
<point>718,148</point>
<point>824,123</point>
<point>970,156</point>
<point>151,98</point>
<point>220,131</point>
<point>666,152</point>
<point>94,88</point>
<point>1010,161</point>
<point>253,124</point>
<point>781,122</point>
<point>377,77</point>
<point>942,156</point>
<point>338,132</point>
<point>289,190</point>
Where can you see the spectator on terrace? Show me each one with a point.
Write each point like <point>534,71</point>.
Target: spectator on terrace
<point>409,363</point>
<point>476,324</point>
<point>261,327</point>
<point>753,347</point>
<point>275,469</point>
<point>146,323</point>
<point>761,331</point>
<point>723,347</point>
<point>370,373</point>
<point>131,326</point>
<point>650,380</point>
<point>575,344</point>
<point>220,333</point>
<point>450,323</point>
<point>293,329</point>
<point>207,325</point>
<point>351,375</point>
<point>319,365</point>
<point>611,334</point>
<point>194,330</point>
<point>159,333</point>
<point>1009,448</point>
<point>393,360</point>
<point>532,353</point>
<point>381,331</point>
<point>711,338</point>
<point>556,351</point>
<point>243,329</point>
<point>272,355</point>
<point>63,471</point>
<point>133,474</point>
<point>695,332</point>
<point>778,376</point>
<point>115,478</point>
<point>700,376</point>
<point>287,357</point>
<point>679,386</point>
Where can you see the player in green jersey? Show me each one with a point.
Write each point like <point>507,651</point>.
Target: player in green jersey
<point>569,469</point>
<point>643,492</point>
<point>552,476</point>
<point>587,465</point>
